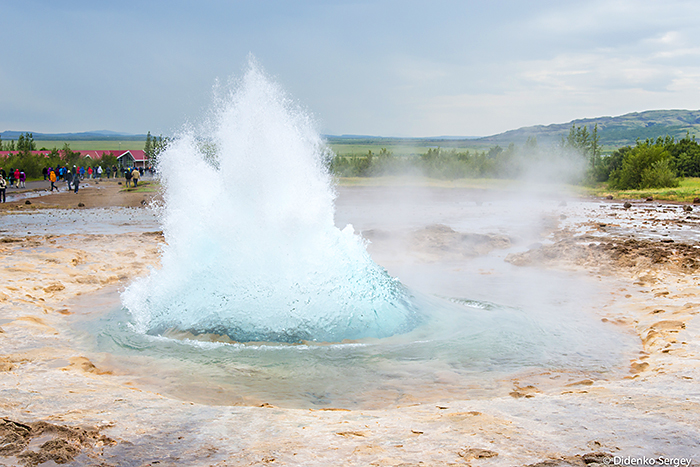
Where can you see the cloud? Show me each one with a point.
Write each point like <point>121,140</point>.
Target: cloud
<point>368,67</point>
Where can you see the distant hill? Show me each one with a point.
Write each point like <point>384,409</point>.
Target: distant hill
<point>98,135</point>
<point>613,131</point>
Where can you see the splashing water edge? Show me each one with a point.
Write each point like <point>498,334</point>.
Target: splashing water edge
<point>251,249</point>
<point>261,298</point>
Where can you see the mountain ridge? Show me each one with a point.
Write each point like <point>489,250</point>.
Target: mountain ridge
<point>613,131</point>
<point>620,130</point>
<point>81,136</point>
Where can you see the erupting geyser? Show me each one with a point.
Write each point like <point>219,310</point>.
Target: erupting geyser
<point>251,250</point>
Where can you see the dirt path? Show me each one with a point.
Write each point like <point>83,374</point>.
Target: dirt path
<point>92,194</point>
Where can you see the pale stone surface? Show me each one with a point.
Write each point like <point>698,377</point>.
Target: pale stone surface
<point>653,410</point>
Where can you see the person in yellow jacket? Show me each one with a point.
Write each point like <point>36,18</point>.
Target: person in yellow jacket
<point>135,176</point>
<point>52,177</point>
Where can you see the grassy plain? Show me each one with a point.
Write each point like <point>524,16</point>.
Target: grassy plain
<point>407,180</point>
<point>91,145</point>
<point>342,149</point>
<point>688,190</point>
<point>402,147</point>
<point>399,148</point>
<point>144,187</point>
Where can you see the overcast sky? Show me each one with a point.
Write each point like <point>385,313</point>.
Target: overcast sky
<point>389,68</point>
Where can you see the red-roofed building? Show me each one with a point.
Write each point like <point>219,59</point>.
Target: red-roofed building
<point>132,158</point>
<point>127,158</point>
<point>94,155</point>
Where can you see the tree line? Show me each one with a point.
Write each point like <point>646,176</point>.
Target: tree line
<point>576,159</point>
<point>653,163</point>
<point>526,161</point>
<point>24,158</point>
<point>153,147</point>
<point>33,164</point>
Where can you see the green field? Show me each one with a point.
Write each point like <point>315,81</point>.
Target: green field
<point>144,187</point>
<point>345,148</point>
<point>688,190</point>
<point>90,145</point>
<point>401,147</point>
<point>418,181</point>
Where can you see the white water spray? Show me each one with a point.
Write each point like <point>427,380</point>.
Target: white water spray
<point>251,250</point>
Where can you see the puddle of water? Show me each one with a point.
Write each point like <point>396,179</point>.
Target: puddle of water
<point>102,221</point>
<point>467,349</point>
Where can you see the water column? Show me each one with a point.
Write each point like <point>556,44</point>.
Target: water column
<point>251,249</point>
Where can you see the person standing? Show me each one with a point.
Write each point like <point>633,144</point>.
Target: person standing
<point>135,176</point>
<point>52,177</point>
<point>45,173</point>
<point>3,188</point>
<point>99,172</point>
<point>16,178</point>
<point>22,179</point>
<point>76,179</point>
<point>89,172</point>
<point>127,176</point>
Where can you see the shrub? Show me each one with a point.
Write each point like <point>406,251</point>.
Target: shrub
<point>659,175</point>
<point>642,165</point>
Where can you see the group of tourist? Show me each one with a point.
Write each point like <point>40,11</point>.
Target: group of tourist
<point>17,178</point>
<point>90,172</point>
<point>132,174</point>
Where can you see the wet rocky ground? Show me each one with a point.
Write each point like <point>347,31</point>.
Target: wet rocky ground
<point>60,405</point>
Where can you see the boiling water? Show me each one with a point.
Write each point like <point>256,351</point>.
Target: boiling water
<point>261,298</point>
<point>463,348</point>
<point>252,250</point>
